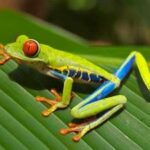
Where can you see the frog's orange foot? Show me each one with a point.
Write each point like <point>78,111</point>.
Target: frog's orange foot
<point>6,57</point>
<point>80,129</point>
<point>84,123</point>
<point>54,103</point>
<point>56,94</point>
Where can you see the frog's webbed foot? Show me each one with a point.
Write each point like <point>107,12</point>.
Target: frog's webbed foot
<point>84,127</point>
<point>80,129</point>
<point>6,57</point>
<point>55,103</point>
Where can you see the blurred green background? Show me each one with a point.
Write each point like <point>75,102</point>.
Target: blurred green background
<point>101,22</point>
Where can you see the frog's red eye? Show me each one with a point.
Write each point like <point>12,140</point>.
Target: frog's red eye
<point>30,48</point>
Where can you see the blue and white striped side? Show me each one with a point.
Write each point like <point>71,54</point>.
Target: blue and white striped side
<point>107,87</point>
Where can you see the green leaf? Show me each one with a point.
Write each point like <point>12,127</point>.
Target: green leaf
<point>21,124</point>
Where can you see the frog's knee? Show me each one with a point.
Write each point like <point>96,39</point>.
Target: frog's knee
<point>75,113</point>
<point>117,81</point>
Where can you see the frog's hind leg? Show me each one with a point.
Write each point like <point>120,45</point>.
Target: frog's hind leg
<point>96,103</point>
<point>112,104</point>
<point>142,66</point>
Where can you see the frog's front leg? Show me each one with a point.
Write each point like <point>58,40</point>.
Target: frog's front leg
<point>59,102</point>
<point>5,56</point>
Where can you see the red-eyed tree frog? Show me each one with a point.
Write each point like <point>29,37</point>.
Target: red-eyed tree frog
<point>69,68</point>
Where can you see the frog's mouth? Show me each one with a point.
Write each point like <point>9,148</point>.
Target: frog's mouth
<point>18,57</point>
<point>5,57</point>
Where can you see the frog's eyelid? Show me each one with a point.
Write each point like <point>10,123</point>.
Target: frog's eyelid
<point>22,38</point>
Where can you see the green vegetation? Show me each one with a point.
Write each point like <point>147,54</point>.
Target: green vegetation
<point>21,124</point>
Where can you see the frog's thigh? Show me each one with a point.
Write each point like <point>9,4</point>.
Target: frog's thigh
<point>91,109</point>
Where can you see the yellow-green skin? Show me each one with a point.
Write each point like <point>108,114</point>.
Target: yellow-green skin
<point>56,59</point>
<point>49,59</point>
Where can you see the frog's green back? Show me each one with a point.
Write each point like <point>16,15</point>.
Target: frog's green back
<point>59,58</point>
<point>51,57</point>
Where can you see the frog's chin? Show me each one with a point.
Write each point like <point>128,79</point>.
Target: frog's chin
<point>32,63</point>
<point>19,61</point>
<point>26,59</point>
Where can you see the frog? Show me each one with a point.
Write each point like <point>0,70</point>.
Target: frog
<point>71,68</point>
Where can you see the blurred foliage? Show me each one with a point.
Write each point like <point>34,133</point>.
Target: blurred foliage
<point>121,21</point>
<point>99,21</point>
